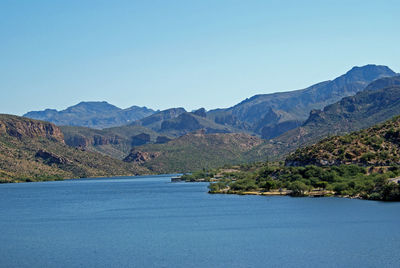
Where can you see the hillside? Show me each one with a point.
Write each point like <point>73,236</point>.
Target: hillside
<point>267,115</point>
<point>189,122</point>
<point>273,114</point>
<point>96,115</point>
<point>375,146</point>
<point>365,109</point>
<point>155,120</point>
<point>32,150</point>
<point>379,102</point>
<point>194,151</point>
<point>363,164</point>
<point>116,142</point>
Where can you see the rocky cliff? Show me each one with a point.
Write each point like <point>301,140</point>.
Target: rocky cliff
<point>26,128</point>
<point>32,150</point>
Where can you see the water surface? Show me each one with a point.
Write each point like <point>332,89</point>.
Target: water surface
<point>150,222</point>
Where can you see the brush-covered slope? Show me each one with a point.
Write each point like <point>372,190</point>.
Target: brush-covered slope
<point>194,151</point>
<point>273,114</point>
<point>378,145</point>
<point>32,150</point>
<point>378,103</point>
<point>117,142</point>
<point>92,114</point>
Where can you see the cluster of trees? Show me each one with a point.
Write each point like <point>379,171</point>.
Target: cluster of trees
<point>198,175</point>
<point>349,180</point>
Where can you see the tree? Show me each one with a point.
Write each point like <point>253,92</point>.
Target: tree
<point>298,188</point>
<point>216,187</point>
<point>322,184</point>
<point>268,185</point>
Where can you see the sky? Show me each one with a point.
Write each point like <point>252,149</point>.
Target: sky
<point>191,54</point>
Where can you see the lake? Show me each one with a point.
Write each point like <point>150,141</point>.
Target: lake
<point>151,222</point>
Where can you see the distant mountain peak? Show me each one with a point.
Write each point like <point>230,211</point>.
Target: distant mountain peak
<point>95,114</point>
<point>369,72</point>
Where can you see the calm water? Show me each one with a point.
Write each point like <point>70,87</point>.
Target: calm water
<point>150,222</point>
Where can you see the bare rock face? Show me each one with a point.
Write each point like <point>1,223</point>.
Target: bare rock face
<point>82,141</point>
<point>15,127</point>
<point>77,141</point>
<point>138,157</point>
<point>51,158</point>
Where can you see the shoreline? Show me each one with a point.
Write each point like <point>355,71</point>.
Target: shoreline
<point>323,193</point>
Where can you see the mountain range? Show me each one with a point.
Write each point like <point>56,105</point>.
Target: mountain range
<point>273,114</point>
<point>266,115</point>
<point>377,103</point>
<point>267,126</point>
<point>93,114</point>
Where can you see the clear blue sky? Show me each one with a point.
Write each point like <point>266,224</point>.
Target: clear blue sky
<point>206,53</point>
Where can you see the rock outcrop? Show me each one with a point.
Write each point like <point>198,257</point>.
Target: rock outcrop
<point>23,127</point>
<point>139,157</point>
<point>51,158</point>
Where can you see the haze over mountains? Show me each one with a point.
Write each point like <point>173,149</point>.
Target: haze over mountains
<point>158,141</point>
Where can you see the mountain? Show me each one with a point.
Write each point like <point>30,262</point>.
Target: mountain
<point>176,122</point>
<point>117,142</point>
<point>175,140</point>
<point>267,115</point>
<point>92,114</point>
<point>376,146</point>
<point>273,114</point>
<point>194,151</point>
<point>155,120</point>
<point>189,122</point>
<point>377,103</point>
<point>32,150</point>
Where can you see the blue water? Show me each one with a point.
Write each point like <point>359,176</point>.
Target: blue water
<point>150,222</point>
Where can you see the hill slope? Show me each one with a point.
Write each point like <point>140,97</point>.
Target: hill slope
<point>194,151</point>
<point>189,122</point>
<point>379,102</point>
<point>365,109</point>
<point>92,114</point>
<point>155,120</point>
<point>378,146</point>
<point>116,142</point>
<point>32,150</point>
<point>273,114</point>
